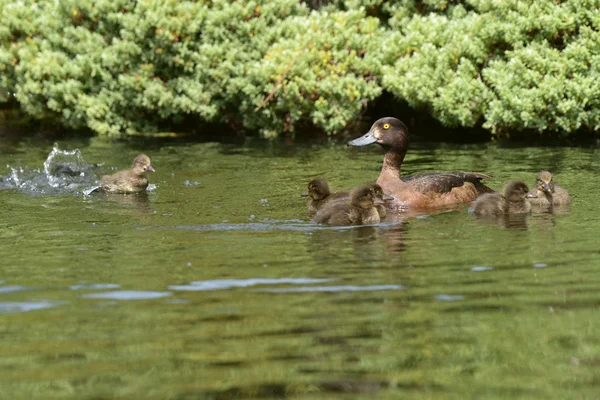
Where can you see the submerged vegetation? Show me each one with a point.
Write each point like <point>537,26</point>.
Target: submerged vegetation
<point>124,67</point>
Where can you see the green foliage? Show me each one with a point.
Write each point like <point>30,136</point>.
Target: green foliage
<point>508,65</point>
<point>125,67</point>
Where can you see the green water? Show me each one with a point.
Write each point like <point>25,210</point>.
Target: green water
<point>442,306</point>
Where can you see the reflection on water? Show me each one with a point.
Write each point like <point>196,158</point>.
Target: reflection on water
<point>93,286</point>
<point>217,285</point>
<point>24,306</point>
<point>127,295</point>
<point>242,283</point>
<point>14,288</point>
<point>346,288</point>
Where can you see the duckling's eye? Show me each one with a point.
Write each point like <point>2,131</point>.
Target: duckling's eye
<point>386,126</point>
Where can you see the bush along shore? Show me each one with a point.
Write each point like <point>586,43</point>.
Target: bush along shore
<point>122,67</point>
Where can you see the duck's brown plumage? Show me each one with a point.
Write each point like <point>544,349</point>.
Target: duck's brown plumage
<point>428,190</point>
<point>132,180</point>
<point>361,210</point>
<point>513,201</point>
<point>548,192</point>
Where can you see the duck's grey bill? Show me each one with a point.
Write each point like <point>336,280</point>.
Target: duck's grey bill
<point>364,140</point>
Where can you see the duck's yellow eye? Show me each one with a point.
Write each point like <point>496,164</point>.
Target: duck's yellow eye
<point>386,126</point>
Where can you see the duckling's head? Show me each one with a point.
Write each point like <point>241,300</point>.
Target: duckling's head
<point>388,132</point>
<point>544,182</point>
<point>515,191</point>
<point>318,189</point>
<point>141,165</point>
<point>369,195</point>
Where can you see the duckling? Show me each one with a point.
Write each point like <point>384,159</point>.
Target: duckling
<point>132,180</point>
<point>360,210</point>
<point>513,201</point>
<point>548,193</point>
<point>319,193</point>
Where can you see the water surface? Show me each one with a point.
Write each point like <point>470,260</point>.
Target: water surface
<point>215,285</point>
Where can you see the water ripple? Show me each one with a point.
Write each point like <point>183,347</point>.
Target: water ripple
<point>14,288</point>
<point>481,268</point>
<point>347,288</point>
<point>449,297</point>
<point>24,306</point>
<point>127,295</point>
<point>221,284</point>
<point>92,286</point>
<point>270,226</point>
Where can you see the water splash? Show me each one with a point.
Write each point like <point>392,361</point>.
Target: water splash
<point>65,168</point>
<point>63,171</point>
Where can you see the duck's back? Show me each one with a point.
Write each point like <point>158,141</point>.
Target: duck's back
<point>444,182</point>
<point>489,204</point>
<point>124,182</point>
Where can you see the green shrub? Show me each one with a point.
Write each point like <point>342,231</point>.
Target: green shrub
<point>509,65</point>
<point>125,67</point>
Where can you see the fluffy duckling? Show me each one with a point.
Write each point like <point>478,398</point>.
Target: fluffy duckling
<point>132,180</point>
<point>513,201</point>
<point>548,193</point>
<point>319,193</point>
<point>361,210</point>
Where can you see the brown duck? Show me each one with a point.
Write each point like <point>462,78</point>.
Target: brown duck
<point>427,190</point>
<point>513,201</point>
<point>549,193</point>
<point>132,180</point>
<point>361,210</point>
<point>320,194</point>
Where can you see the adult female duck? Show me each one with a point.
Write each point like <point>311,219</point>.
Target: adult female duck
<point>428,190</point>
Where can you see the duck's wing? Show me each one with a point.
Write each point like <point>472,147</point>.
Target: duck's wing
<point>443,182</point>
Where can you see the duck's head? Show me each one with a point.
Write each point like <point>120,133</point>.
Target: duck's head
<point>318,189</point>
<point>517,191</point>
<point>141,165</point>
<point>544,182</point>
<point>369,195</point>
<point>388,132</point>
